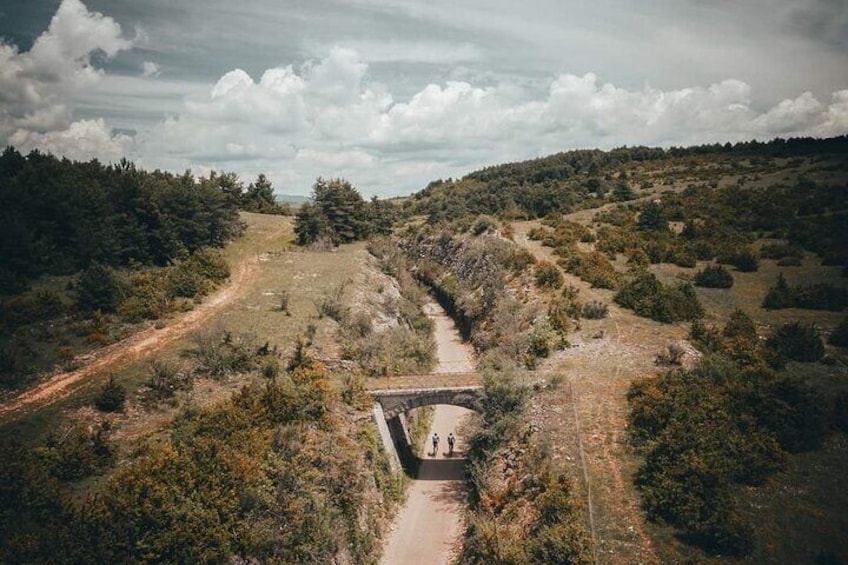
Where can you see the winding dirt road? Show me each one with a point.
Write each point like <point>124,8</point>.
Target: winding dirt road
<point>428,529</point>
<point>143,343</point>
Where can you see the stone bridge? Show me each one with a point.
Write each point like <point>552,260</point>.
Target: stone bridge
<point>395,402</point>
<point>392,404</point>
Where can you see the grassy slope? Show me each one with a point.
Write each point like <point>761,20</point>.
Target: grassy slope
<point>801,511</point>
<point>305,275</point>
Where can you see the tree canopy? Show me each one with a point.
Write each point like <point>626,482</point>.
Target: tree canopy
<point>338,213</point>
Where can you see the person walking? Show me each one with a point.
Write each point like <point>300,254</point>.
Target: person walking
<point>435,444</point>
<point>451,441</point>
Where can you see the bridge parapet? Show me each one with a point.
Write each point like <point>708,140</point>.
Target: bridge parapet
<point>398,401</point>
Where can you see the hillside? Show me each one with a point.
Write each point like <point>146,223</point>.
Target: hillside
<point>661,335</point>
<point>679,249</point>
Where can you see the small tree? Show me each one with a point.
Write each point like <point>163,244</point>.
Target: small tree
<point>652,217</point>
<point>548,275</point>
<point>779,296</point>
<point>99,288</point>
<point>797,341</point>
<point>714,276</point>
<point>111,398</point>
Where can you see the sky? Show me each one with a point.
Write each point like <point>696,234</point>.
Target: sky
<point>392,94</point>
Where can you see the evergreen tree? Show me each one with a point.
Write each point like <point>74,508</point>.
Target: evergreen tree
<point>310,225</point>
<point>652,217</point>
<point>343,207</point>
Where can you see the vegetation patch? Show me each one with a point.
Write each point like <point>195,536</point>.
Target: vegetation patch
<point>713,276</point>
<point>649,298</point>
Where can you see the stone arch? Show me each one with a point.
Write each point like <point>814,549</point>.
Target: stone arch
<point>400,401</point>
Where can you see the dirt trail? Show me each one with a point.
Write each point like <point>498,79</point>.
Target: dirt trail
<point>429,527</point>
<point>607,356</point>
<point>143,343</point>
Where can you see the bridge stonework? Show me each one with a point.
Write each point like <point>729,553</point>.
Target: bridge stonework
<point>398,401</point>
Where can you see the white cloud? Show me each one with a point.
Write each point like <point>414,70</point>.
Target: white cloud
<point>331,117</point>
<point>37,87</point>
<point>81,140</point>
<point>150,69</point>
<point>327,118</point>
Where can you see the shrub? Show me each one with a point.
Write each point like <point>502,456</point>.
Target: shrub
<point>797,341</point>
<point>77,454</point>
<point>595,310</point>
<point>220,353</point>
<point>484,224</point>
<point>111,398</point>
<point>185,282</point>
<point>684,259</point>
<point>593,268</point>
<point>649,298</point>
<point>560,312</point>
<point>29,308</point>
<point>820,297</point>
<point>746,261</point>
<point>209,264</point>
<point>284,302</point>
<point>781,251</point>
<point>332,306</point>
<point>779,296</point>
<point>714,276</point>
<point>548,275</point>
<point>99,288</point>
<point>166,379</point>
<point>740,326</point>
<point>673,355</point>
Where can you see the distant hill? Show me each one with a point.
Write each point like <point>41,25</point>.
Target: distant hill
<point>291,198</point>
<point>585,178</point>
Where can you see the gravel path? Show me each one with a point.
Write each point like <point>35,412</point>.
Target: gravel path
<point>428,529</point>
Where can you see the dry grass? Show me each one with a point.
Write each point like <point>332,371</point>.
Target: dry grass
<point>305,275</point>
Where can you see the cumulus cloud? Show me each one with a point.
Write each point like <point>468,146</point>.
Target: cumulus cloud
<point>81,140</point>
<point>37,87</point>
<point>330,117</point>
<point>327,118</point>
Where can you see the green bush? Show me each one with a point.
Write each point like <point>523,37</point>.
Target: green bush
<point>77,454</point>
<point>745,261</point>
<point>33,307</point>
<point>821,296</point>
<point>593,268</point>
<point>649,298</point>
<point>221,353</point>
<point>548,275</point>
<point>111,398</point>
<point>781,251</point>
<point>99,288</point>
<point>714,276</point>
<point>595,310</point>
<point>797,341</point>
<point>779,296</point>
<point>705,430</point>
